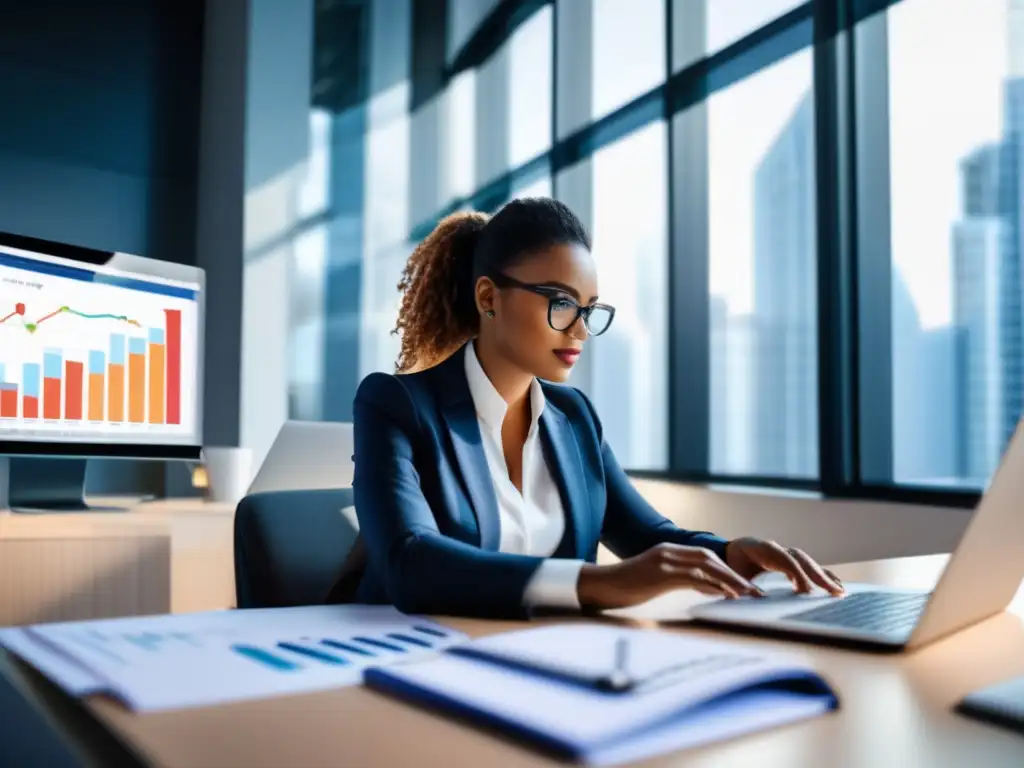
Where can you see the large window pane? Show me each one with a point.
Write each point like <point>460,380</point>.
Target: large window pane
<point>513,100</point>
<point>379,348</point>
<point>761,234</point>
<point>629,51</point>
<point>610,52</point>
<point>459,168</point>
<point>530,73</point>
<point>956,132</point>
<point>626,373</point>
<point>720,23</point>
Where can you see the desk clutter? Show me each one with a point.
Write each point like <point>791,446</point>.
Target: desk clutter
<point>585,692</point>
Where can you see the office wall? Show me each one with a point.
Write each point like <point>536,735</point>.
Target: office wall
<point>832,530</point>
<point>98,136</point>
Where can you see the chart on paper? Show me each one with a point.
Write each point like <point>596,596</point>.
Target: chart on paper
<point>175,661</point>
<point>97,358</point>
<point>291,655</point>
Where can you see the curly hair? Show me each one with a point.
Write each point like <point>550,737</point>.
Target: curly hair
<point>438,311</point>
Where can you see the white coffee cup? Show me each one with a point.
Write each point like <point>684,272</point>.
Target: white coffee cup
<point>228,473</point>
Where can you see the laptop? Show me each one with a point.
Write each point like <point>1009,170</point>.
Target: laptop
<point>980,579</point>
<point>307,455</point>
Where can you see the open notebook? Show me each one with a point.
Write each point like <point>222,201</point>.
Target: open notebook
<point>562,689</point>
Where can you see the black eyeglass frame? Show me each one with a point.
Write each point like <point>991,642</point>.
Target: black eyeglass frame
<point>553,294</point>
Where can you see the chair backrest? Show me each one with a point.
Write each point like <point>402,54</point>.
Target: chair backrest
<point>290,546</point>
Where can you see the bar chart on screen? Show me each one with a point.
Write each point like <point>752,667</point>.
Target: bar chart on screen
<point>82,365</point>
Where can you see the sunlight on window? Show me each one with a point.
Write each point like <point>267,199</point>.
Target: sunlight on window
<point>629,369</point>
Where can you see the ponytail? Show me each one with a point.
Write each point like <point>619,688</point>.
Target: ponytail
<point>438,311</point>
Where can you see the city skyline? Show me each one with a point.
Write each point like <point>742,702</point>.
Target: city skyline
<point>968,369</point>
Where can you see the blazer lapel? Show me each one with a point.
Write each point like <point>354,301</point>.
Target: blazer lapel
<point>460,416</point>
<point>563,457</point>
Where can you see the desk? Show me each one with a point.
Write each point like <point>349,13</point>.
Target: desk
<point>169,555</point>
<point>896,710</point>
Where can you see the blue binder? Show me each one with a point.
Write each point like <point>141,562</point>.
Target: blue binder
<point>548,688</point>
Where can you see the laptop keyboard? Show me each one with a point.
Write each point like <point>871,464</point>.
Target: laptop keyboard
<point>870,611</point>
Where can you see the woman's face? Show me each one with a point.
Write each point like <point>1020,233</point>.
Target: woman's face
<point>550,282</point>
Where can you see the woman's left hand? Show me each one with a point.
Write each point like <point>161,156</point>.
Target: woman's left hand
<point>749,556</point>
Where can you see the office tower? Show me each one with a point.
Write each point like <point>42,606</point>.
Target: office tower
<point>785,307</point>
<point>988,307</point>
<point>1011,291</point>
<point>732,381</point>
<point>720,446</point>
<point>980,254</point>
<point>924,387</point>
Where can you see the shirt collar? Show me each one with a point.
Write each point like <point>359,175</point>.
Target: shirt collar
<point>490,405</point>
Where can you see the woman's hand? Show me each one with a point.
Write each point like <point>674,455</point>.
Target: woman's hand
<point>748,557</point>
<point>660,569</point>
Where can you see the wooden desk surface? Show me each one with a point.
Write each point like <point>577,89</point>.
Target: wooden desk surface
<point>896,710</point>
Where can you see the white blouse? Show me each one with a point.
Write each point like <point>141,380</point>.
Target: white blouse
<point>531,523</point>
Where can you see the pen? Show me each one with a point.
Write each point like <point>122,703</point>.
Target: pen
<point>619,679</point>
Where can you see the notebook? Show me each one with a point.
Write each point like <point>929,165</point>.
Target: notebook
<point>554,689</point>
<point>1000,704</point>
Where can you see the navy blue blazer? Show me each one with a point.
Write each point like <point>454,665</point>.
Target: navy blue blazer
<point>427,509</point>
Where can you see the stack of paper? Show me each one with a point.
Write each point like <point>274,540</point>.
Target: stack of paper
<point>193,660</point>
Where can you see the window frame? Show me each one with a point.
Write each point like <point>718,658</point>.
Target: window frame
<point>850,83</point>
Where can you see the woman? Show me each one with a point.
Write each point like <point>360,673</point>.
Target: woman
<point>483,489</point>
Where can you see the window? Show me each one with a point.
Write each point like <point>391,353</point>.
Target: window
<point>626,374</point>
<point>530,78</point>
<point>513,100</point>
<point>625,57</point>
<point>719,24</point>
<point>459,166</point>
<point>379,348</point>
<point>762,265</point>
<point>708,239</point>
<point>955,128</point>
<point>540,187</point>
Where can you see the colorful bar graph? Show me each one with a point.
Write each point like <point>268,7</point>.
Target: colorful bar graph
<point>8,401</point>
<point>73,389</point>
<point>115,379</point>
<point>97,366</point>
<point>136,380</point>
<point>52,364</point>
<point>173,325</point>
<point>156,375</point>
<point>30,373</point>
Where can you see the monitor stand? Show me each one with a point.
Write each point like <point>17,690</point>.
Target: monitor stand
<point>41,486</point>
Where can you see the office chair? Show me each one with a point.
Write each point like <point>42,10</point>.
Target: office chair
<point>290,546</point>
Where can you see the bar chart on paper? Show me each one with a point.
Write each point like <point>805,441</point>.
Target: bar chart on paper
<point>101,370</point>
<point>189,660</point>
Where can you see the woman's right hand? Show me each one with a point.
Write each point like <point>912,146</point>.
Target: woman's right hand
<point>660,569</point>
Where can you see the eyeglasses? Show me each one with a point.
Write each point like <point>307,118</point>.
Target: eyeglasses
<point>563,310</point>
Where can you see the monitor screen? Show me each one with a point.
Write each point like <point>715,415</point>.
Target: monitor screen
<point>100,353</point>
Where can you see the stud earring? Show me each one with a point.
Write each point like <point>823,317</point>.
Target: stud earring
<point>490,313</point>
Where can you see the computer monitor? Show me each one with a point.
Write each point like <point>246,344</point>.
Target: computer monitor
<point>100,356</point>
